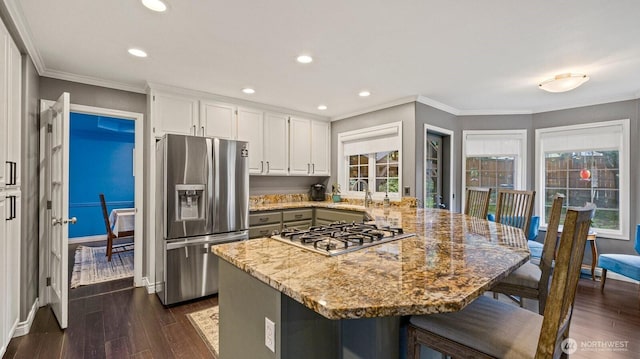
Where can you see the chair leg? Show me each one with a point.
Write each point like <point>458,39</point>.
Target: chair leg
<point>604,279</point>
<point>109,247</point>
<point>413,348</point>
<point>495,295</point>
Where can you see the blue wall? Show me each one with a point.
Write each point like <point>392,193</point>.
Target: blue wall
<point>100,161</point>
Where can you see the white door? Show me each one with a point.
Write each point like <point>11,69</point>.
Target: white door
<point>300,146</point>
<point>217,120</point>
<point>57,152</point>
<point>4,273</point>
<point>174,114</point>
<point>276,133</point>
<point>320,148</point>
<point>250,128</point>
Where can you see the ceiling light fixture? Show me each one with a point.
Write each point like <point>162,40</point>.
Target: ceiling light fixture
<point>155,5</point>
<point>137,52</point>
<point>564,82</point>
<point>304,59</point>
<point>248,90</point>
<point>322,107</point>
<point>364,93</point>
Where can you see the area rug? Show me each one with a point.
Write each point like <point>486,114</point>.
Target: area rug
<point>91,265</point>
<point>206,323</point>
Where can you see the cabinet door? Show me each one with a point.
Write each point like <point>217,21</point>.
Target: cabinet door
<point>12,239</point>
<point>320,148</point>
<point>4,40</point>
<point>4,269</point>
<point>217,120</point>
<point>174,114</point>
<point>14,119</point>
<point>276,133</point>
<point>299,146</point>
<point>251,128</point>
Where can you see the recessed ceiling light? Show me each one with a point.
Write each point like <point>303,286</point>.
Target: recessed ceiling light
<point>248,90</point>
<point>322,107</point>
<point>137,52</point>
<point>364,93</point>
<point>564,82</point>
<point>304,59</point>
<point>155,5</point>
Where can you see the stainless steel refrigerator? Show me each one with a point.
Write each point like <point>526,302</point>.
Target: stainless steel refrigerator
<point>202,200</point>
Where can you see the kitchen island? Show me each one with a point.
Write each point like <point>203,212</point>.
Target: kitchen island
<point>350,306</point>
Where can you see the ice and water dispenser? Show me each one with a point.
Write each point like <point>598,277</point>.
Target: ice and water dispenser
<point>191,202</point>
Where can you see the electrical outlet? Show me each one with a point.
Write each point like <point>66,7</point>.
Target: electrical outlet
<point>270,334</point>
<point>407,191</point>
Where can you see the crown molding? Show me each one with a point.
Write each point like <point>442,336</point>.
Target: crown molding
<point>494,112</point>
<point>438,105</point>
<point>154,86</point>
<point>16,14</point>
<point>397,102</point>
<point>89,80</point>
<point>587,103</point>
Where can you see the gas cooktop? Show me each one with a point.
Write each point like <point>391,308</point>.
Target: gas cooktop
<point>340,237</point>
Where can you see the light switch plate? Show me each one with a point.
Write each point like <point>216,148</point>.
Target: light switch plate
<point>270,334</point>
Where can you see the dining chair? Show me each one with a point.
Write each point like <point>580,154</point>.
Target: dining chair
<point>477,202</point>
<point>627,265</point>
<point>532,280</point>
<point>488,328</point>
<point>110,235</point>
<point>515,207</point>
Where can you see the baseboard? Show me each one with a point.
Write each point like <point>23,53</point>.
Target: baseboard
<point>151,287</point>
<point>101,237</point>
<point>23,328</point>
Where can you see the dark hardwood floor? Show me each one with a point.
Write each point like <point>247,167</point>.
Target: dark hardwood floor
<point>131,323</point>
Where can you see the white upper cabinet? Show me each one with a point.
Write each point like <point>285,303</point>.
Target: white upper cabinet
<point>174,114</point>
<point>251,129</point>
<point>217,120</point>
<point>14,118</point>
<point>276,146</point>
<point>300,146</point>
<point>4,79</point>
<point>279,145</point>
<point>320,148</point>
<point>309,147</point>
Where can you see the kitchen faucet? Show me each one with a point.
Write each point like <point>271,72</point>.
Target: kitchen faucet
<point>368,200</point>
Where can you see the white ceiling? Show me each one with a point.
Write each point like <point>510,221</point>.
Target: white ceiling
<point>474,56</point>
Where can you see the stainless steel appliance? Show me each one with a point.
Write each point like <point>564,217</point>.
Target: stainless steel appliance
<point>317,192</point>
<point>202,200</point>
<point>340,237</point>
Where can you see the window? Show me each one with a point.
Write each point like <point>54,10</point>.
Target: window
<point>370,158</point>
<point>494,159</point>
<point>586,163</point>
<point>493,172</point>
<point>383,172</point>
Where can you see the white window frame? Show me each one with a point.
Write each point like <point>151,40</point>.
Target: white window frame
<point>392,130</point>
<point>623,171</point>
<point>520,178</point>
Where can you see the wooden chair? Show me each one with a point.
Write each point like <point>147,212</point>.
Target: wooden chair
<point>488,328</point>
<point>531,280</point>
<point>110,235</point>
<point>515,207</point>
<point>477,202</point>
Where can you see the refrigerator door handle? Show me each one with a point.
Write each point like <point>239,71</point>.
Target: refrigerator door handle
<point>208,240</point>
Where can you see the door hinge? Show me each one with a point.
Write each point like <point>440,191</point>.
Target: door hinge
<point>154,97</point>
<point>49,205</point>
<point>49,128</point>
<point>48,281</point>
<point>236,111</point>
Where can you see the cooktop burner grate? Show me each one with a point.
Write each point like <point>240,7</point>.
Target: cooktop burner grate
<point>340,237</point>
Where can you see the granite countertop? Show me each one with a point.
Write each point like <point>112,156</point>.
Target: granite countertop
<point>452,260</point>
<point>306,204</point>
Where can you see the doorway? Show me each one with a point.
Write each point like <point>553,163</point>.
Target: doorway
<point>438,175</point>
<point>101,151</point>
<point>54,199</point>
